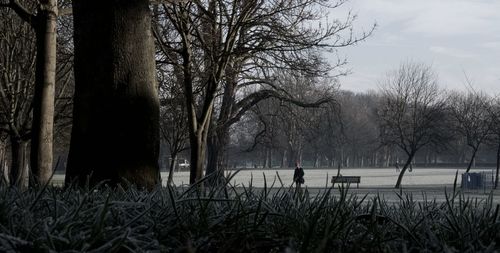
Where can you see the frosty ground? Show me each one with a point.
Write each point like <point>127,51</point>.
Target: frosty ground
<point>421,183</point>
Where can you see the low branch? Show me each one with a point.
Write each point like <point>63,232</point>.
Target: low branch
<point>248,102</point>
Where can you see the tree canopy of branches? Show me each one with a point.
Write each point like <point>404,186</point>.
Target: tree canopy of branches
<point>412,111</point>
<point>472,119</point>
<point>17,68</point>
<point>173,120</point>
<point>230,52</point>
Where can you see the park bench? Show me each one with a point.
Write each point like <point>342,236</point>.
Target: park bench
<point>346,180</point>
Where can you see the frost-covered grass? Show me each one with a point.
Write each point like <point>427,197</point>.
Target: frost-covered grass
<point>229,219</point>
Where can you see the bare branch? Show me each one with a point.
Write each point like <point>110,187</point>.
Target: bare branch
<point>21,11</point>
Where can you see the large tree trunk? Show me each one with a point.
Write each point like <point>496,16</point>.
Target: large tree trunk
<point>19,169</point>
<point>43,105</point>
<point>115,134</point>
<point>215,152</point>
<point>198,124</point>
<point>217,143</point>
<point>405,167</point>
<point>219,137</point>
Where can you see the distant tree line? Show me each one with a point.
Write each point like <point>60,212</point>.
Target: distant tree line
<point>408,121</point>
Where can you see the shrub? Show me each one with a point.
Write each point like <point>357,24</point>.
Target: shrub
<point>231,218</point>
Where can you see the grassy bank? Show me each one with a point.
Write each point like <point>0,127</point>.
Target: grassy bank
<point>224,219</point>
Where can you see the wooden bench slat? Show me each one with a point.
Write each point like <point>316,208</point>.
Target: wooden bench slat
<point>346,179</point>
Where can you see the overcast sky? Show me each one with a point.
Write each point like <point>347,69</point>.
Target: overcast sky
<point>458,38</point>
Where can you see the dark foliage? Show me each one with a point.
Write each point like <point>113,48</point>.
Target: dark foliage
<point>240,219</point>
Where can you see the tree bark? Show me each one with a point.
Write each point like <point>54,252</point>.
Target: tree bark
<point>215,149</point>
<point>41,155</point>
<point>115,135</point>
<point>198,141</point>
<point>219,134</point>
<point>198,126</point>
<point>19,169</point>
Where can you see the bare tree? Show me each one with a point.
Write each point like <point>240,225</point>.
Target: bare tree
<point>411,114</point>
<point>173,120</point>
<point>115,134</point>
<point>44,23</point>
<point>291,129</point>
<point>357,112</point>
<point>238,45</point>
<point>471,119</point>
<point>263,124</point>
<point>17,67</point>
<point>494,111</point>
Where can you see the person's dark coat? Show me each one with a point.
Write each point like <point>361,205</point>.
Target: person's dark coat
<point>298,175</point>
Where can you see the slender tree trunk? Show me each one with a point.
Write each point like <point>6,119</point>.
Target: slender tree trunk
<point>385,158</point>
<point>19,169</point>
<point>472,159</point>
<point>265,160</point>
<point>270,157</point>
<point>405,167</point>
<point>198,152</point>
<point>4,176</point>
<point>173,163</point>
<point>342,158</point>
<point>427,158</point>
<point>43,109</point>
<point>283,159</point>
<point>498,165</point>
<point>292,156</point>
<point>332,160</point>
<point>316,160</point>
<point>115,135</point>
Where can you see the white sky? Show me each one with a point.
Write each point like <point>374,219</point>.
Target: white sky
<point>458,38</point>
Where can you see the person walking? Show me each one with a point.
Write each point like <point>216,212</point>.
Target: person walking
<point>298,175</point>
